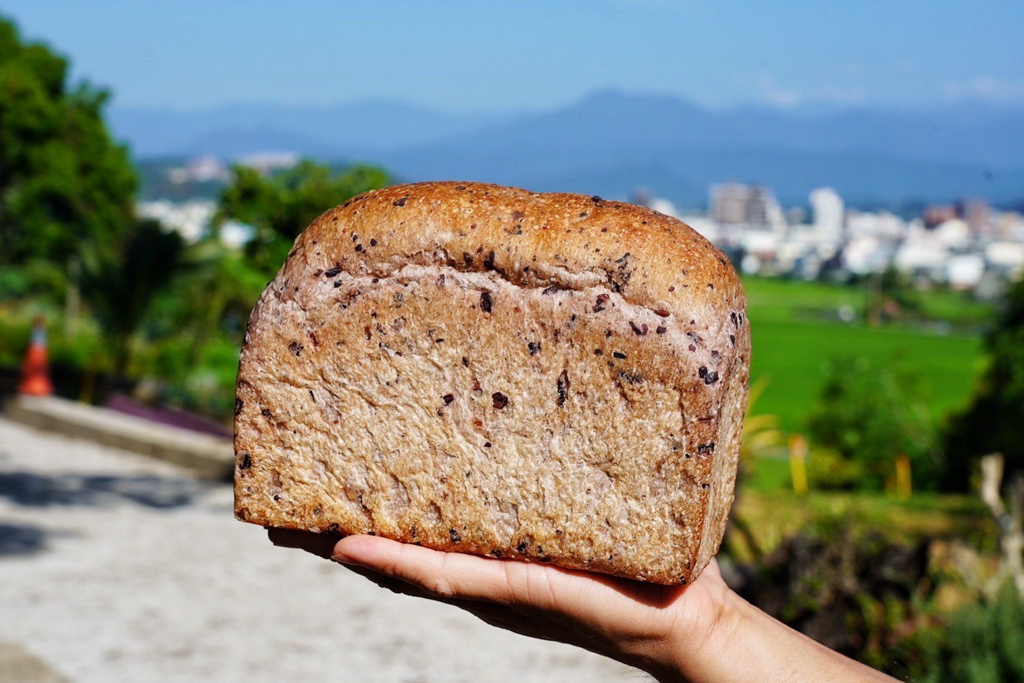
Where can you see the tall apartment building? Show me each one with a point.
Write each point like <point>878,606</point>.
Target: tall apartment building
<point>739,204</point>
<point>827,211</point>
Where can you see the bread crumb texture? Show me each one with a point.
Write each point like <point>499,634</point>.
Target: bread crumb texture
<point>481,369</point>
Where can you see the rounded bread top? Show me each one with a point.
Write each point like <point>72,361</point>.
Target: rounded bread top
<point>561,240</point>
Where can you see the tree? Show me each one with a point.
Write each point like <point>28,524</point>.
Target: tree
<point>994,420</point>
<point>870,414</point>
<point>63,180</point>
<point>120,284</point>
<point>282,205</point>
<point>214,298</point>
<point>891,295</point>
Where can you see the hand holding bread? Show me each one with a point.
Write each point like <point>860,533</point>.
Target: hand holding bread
<point>700,633</point>
<point>492,394</point>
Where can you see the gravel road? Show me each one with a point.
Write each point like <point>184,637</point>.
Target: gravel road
<point>114,567</point>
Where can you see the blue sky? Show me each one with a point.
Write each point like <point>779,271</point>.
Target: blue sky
<point>500,55</point>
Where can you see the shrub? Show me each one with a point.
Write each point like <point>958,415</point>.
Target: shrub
<point>828,470</point>
<point>992,422</point>
<point>871,413</point>
<point>979,643</point>
<point>848,588</point>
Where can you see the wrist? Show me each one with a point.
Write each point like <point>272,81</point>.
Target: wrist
<point>700,634</point>
<point>741,643</point>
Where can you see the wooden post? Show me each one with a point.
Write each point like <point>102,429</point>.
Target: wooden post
<point>798,463</point>
<point>904,487</point>
<point>1010,519</point>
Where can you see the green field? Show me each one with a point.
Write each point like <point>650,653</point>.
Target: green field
<point>795,333</point>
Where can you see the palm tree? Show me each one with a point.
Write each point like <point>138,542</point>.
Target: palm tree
<point>119,284</point>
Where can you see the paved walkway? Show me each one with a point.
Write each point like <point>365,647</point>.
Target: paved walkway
<point>116,567</point>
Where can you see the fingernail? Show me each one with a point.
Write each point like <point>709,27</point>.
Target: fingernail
<point>342,558</point>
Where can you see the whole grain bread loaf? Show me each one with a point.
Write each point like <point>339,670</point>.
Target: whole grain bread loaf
<point>482,369</point>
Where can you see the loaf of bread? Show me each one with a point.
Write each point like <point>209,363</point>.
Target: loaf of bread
<point>482,369</point>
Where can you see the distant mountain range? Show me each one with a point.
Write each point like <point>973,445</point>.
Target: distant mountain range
<point>612,143</point>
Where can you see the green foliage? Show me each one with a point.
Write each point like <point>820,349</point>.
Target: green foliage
<point>195,378</point>
<point>218,292</point>
<point>62,179</point>
<point>14,283</point>
<point>63,349</point>
<point>848,588</point>
<point>828,470</point>
<point>992,422</point>
<point>980,644</point>
<point>120,284</point>
<point>871,413</point>
<point>281,206</point>
<point>15,333</point>
<point>195,328</point>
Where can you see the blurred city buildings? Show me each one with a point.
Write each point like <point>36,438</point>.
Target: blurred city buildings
<point>193,219</point>
<point>966,245</point>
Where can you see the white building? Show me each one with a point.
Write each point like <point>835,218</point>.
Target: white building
<point>200,170</point>
<point>827,211</point>
<point>965,271</point>
<point>1006,258</point>
<point>955,233</point>
<point>745,205</point>
<point>192,221</point>
<point>883,225</point>
<point>663,206</point>
<point>189,219</point>
<point>922,254</point>
<point>707,227</point>
<point>268,162</point>
<point>866,254</point>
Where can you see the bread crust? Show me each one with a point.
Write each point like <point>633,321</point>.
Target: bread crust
<point>575,378</point>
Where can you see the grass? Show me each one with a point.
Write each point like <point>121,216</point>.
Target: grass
<point>795,334</point>
<point>796,331</point>
<point>768,473</point>
<point>774,516</point>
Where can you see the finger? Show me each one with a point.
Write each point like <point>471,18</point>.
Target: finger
<point>455,575</point>
<point>388,582</point>
<point>495,615</point>
<point>322,545</point>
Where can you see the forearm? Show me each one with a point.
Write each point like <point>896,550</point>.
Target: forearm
<point>748,645</point>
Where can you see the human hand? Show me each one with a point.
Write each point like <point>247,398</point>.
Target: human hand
<point>699,633</point>
<point>660,629</point>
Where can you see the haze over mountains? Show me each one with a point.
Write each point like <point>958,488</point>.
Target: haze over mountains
<point>612,143</point>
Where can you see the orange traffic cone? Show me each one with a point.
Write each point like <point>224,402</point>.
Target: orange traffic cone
<point>35,377</point>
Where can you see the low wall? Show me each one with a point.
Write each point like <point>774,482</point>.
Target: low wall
<point>208,457</point>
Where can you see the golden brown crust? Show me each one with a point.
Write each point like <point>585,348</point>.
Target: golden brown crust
<point>577,311</point>
<point>536,239</point>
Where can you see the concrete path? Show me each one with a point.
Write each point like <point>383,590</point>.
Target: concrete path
<point>116,567</point>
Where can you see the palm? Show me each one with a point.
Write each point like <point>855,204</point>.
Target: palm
<point>617,617</point>
<point>594,611</point>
